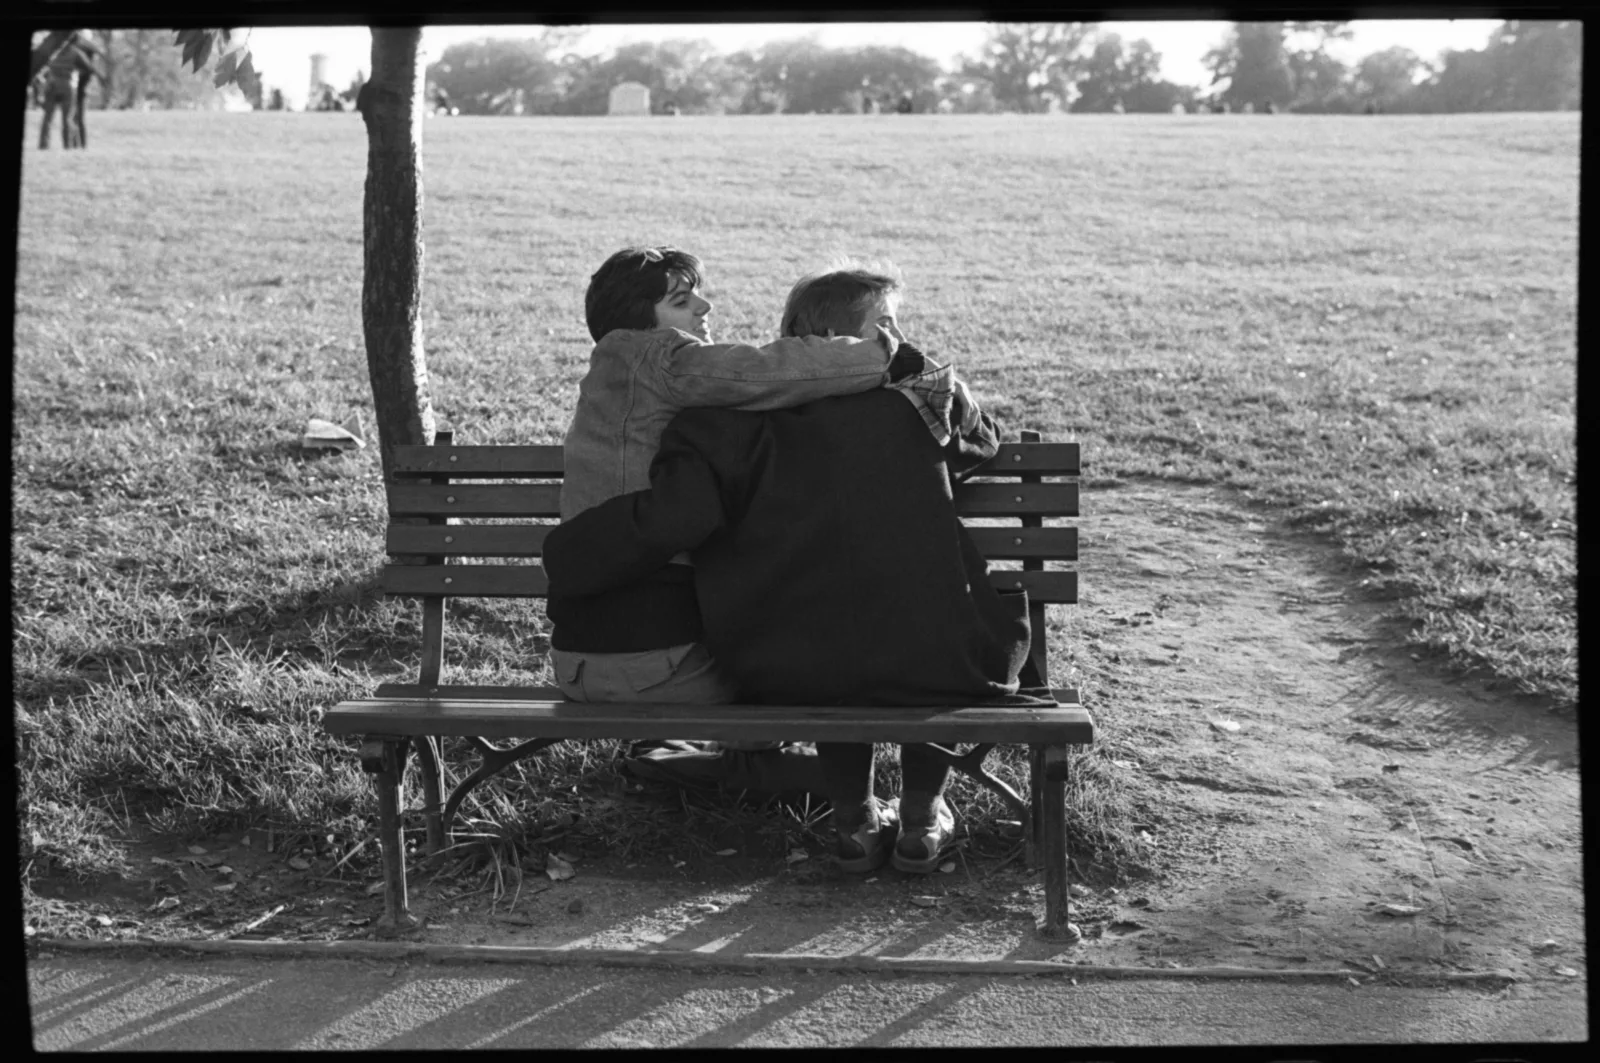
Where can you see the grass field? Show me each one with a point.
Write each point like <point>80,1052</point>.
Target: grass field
<point>1368,324</point>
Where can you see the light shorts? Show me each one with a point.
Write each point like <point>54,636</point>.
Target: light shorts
<point>678,674</point>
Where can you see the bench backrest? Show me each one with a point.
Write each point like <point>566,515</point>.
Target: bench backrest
<point>437,487</point>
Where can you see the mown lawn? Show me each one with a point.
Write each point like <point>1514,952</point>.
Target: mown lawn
<point>1368,324</point>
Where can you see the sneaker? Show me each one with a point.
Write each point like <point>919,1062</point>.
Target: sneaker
<point>865,847</point>
<point>925,830</point>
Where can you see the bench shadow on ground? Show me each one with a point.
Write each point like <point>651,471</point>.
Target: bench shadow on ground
<point>381,1003</point>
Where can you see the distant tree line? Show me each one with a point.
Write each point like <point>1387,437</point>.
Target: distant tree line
<point>1022,67</point>
<point>1026,67</point>
<point>1526,66</point>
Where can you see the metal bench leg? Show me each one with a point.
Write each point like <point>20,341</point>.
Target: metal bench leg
<point>1050,784</point>
<point>431,765</point>
<point>385,758</point>
<point>1035,805</point>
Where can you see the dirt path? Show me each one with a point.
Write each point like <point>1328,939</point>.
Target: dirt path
<point>1357,777</point>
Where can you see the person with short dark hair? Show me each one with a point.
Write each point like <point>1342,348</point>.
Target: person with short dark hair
<point>830,565</point>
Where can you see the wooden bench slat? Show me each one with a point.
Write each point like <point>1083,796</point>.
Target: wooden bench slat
<point>507,462</point>
<point>545,461</point>
<point>475,500</point>
<point>468,540</point>
<point>544,500</point>
<point>529,581</point>
<point>527,540</point>
<point>496,719</point>
<point>1068,696</point>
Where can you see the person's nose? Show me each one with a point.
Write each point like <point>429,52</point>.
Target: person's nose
<point>705,306</point>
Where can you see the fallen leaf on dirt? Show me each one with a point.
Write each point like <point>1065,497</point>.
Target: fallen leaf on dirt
<point>1547,945</point>
<point>705,909</point>
<point>1355,982</point>
<point>1566,972</point>
<point>164,903</point>
<point>1078,889</point>
<point>299,863</point>
<point>1398,909</point>
<point>925,902</point>
<point>163,862</point>
<point>103,920</point>
<point>358,922</point>
<point>197,850</point>
<point>1379,961</point>
<point>947,867</point>
<point>1224,725</point>
<point>225,887</point>
<point>726,852</point>
<point>374,889</point>
<point>1462,842</point>
<point>224,870</point>
<point>557,868</point>
<point>797,855</point>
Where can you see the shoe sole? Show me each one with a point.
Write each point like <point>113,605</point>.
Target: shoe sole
<point>882,852</point>
<point>916,867</point>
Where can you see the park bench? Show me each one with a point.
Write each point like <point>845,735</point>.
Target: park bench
<point>436,487</point>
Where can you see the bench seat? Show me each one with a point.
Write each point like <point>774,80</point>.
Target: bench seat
<point>542,712</point>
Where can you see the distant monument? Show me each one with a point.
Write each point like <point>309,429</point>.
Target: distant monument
<point>630,98</point>
<point>319,79</point>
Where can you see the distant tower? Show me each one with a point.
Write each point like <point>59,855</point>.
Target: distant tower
<point>319,78</point>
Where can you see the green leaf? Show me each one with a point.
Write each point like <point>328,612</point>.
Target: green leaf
<point>190,39</point>
<point>203,52</point>
<point>226,67</point>
<point>247,78</point>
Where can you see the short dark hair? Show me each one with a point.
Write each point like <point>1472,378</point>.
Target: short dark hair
<point>837,299</point>
<point>624,291</point>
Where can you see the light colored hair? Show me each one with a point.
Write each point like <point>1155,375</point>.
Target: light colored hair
<point>838,297</point>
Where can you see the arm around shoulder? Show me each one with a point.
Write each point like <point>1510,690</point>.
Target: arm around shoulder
<point>630,536</point>
<point>786,372</point>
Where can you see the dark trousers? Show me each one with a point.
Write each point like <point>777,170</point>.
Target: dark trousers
<point>60,97</point>
<point>848,768</point>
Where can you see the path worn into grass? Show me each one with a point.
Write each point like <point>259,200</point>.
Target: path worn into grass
<point>1358,775</point>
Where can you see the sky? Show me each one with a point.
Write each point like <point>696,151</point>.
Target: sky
<point>283,54</point>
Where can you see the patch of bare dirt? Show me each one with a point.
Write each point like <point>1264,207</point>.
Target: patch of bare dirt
<point>1367,808</point>
<point>1313,793</point>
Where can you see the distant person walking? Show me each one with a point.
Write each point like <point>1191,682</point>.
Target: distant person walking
<point>63,92</point>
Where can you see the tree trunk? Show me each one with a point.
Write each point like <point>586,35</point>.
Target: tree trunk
<point>109,62</point>
<point>391,104</point>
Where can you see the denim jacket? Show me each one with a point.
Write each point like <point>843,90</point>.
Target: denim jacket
<point>638,379</point>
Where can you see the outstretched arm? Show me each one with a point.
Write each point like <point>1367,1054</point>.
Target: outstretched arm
<point>630,536</point>
<point>787,372</point>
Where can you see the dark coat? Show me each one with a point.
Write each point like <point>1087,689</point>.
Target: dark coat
<point>830,564</point>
